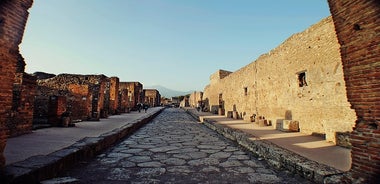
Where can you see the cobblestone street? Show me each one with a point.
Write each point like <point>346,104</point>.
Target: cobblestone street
<point>174,148</point>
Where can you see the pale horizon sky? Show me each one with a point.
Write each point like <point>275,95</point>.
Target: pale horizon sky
<point>173,43</point>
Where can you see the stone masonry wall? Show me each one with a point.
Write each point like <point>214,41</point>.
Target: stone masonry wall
<point>47,110</point>
<point>152,97</point>
<point>13,17</point>
<point>357,25</point>
<point>21,115</point>
<point>195,98</point>
<point>97,97</point>
<point>220,74</point>
<point>302,77</point>
<point>79,101</point>
<point>135,93</point>
<point>123,100</point>
<point>129,87</point>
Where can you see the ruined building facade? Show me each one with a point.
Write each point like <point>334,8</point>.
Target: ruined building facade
<point>115,103</point>
<point>195,99</point>
<point>21,115</point>
<point>152,97</point>
<point>300,80</point>
<point>85,97</point>
<point>135,93</point>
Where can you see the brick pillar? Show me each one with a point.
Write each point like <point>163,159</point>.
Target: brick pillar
<point>13,16</point>
<point>24,90</point>
<point>357,25</point>
<point>57,106</point>
<point>114,95</point>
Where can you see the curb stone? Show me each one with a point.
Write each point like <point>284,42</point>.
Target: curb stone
<point>37,168</point>
<point>277,157</point>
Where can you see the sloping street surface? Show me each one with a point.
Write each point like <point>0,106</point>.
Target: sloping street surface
<point>174,148</point>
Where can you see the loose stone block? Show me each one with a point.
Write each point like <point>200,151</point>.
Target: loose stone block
<point>288,125</point>
<point>235,115</point>
<point>263,122</point>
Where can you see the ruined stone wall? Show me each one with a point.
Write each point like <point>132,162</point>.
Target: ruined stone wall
<point>184,102</point>
<point>57,105</point>
<point>139,92</point>
<point>303,76</point>
<point>21,115</point>
<point>42,115</point>
<point>114,95</point>
<point>98,92</point>
<point>79,102</point>
<point>357,25</point>
<point>220,74</point>
<point>13,17</point>
<point>135,93</point>
<point>152,97</point>
<point>129,87</point>
<point>123,100</point>
<point>195,98</point>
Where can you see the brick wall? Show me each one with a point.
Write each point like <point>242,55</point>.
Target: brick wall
<point>13,17</point>
<point>123,100</point>
<point>357,25</point>
<point>114,96</point>
<point>21,115</point>
<point>56,107</point>
<point>79,102</point>
<point>135,93</point>
<point>90,92</point>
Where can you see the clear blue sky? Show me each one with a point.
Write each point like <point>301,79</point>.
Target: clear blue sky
<point>174,43</point>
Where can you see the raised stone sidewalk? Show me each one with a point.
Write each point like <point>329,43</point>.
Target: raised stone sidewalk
<point>309,156</point>
<point>45,152</point>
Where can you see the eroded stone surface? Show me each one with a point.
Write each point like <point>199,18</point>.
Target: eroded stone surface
<point>174,148</point>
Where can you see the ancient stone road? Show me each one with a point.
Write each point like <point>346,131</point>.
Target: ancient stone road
<point>174,148</point>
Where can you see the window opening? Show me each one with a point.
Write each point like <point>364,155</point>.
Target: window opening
<point>302,79</point>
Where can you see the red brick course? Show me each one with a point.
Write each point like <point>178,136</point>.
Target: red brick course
<point>135,93</point>
<point>114,96</point>
<point>357,25</point>
<point>13,17</point>
<point>21,115</point>
<point>87,96</point>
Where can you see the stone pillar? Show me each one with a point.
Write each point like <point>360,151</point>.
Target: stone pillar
<point>357,24</point>
<point>13,17</point>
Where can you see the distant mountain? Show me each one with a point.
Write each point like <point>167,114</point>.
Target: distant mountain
<point>166,92</point>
